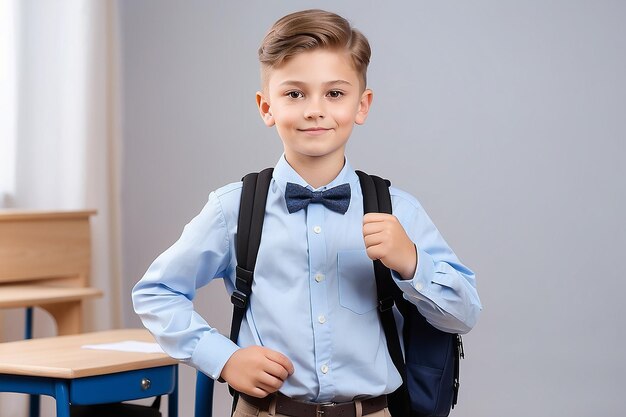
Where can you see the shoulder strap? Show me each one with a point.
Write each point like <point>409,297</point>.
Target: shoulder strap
<point>249,227</point>
<point>376,199</point>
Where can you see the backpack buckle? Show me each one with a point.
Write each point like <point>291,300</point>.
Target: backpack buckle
<point>243,284</point>
<point>239,299</point>
<point>385,304</point>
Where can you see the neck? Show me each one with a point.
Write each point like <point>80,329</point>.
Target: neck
<point>317,171</point>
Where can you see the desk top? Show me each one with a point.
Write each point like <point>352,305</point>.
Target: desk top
<point>63,357</point>
<point>24,295</point>
<point>12,215</point>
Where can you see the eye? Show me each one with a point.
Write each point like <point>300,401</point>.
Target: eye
<point>294,94</point>
<point>335,93</point>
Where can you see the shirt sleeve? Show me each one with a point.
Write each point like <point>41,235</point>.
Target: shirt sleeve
<point>163,298</point>
<point>443,289</point>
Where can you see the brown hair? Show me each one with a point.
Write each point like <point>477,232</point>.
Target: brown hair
<point>312,29</point>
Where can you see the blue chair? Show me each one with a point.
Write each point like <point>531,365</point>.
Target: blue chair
<point>204,395</point>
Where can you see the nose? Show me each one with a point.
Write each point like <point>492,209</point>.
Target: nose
<point>314,110</point>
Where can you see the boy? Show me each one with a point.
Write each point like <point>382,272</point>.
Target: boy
<point>311,333</point>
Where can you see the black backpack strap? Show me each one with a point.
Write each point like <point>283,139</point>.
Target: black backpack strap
<point>376,199</point>
<point>249,227</point>
<point>384,206</point>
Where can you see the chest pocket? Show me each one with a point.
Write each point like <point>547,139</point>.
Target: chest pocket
<point>357,284</point>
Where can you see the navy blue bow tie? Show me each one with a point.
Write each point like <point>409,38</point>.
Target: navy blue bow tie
<point>336,198</point>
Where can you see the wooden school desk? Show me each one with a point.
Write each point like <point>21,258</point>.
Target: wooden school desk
<point>45,261</point>
<point>59,367</point>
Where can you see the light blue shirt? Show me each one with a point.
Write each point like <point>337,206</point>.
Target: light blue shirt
<point>314,293</point>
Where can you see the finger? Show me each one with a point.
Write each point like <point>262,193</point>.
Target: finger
<point>384,234</point>
<point>276,370</point>
<point>376,217</point>
<point>372,228</point>
<point>258,392</point>
<point>267,389</point>
<point>375,252</point>
<point>280,359</point>
<point>373,240</point>
<point>269,383</point>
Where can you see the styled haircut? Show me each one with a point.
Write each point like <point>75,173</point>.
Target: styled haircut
<point>308,30</point>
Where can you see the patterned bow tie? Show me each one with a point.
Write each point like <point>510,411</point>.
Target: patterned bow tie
<point>336,198</point>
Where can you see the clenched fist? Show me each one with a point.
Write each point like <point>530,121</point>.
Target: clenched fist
<point>257,371</point>
<point>385,239</point>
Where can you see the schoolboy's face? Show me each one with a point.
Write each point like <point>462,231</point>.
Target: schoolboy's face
<point>314,100</point>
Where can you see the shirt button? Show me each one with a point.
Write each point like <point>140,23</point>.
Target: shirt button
<point>321,319</point>
<point>317,229</point>
<point>324,369</point>
<point>319,277</point>
<point>419,286</point>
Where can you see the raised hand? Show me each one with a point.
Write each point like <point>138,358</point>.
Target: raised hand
<point>385,239</point>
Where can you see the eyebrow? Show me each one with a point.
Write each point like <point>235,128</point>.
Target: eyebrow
<point>302,83</point>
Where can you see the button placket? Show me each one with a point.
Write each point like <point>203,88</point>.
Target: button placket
<point>318,266</point>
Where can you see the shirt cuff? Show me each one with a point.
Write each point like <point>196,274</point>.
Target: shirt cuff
<point>211,354</point>
<point>418,286</point>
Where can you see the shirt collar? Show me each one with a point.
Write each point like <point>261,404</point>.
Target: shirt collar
<point>284,173</point>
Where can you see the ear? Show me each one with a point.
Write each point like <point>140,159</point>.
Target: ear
<point>364,106</point>
<point>264,109</point>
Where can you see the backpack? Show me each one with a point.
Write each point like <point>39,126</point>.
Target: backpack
<point>430,368</point>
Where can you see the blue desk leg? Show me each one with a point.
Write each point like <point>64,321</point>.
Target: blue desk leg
<point>172,399</point>
<point>62,397</point>
<point>33,400</point>
<point>33,405</point>
<point>28,328</point>
<point>204,395</point>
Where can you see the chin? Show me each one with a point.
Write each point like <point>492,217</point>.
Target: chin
<point>321,154</point>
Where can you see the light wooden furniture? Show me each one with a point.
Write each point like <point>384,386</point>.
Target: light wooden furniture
<point>45,261</point>
<point>61,368</point>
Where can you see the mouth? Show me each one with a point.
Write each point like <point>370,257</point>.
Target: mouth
<point>315,130</point>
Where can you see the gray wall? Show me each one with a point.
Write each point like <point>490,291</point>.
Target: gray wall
<point>506,120</point>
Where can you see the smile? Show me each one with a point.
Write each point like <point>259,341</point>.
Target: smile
<point>315,130</point>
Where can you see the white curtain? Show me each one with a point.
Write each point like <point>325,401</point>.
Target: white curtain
<point>8,77</point>
<point>61,137</point>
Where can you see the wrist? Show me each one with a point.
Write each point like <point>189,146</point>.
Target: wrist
<point>409,272</point>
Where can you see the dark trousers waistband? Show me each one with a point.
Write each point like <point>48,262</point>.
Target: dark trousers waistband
<point>295,408</point>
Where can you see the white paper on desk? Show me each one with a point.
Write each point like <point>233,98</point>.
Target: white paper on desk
<point>128,346</point>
